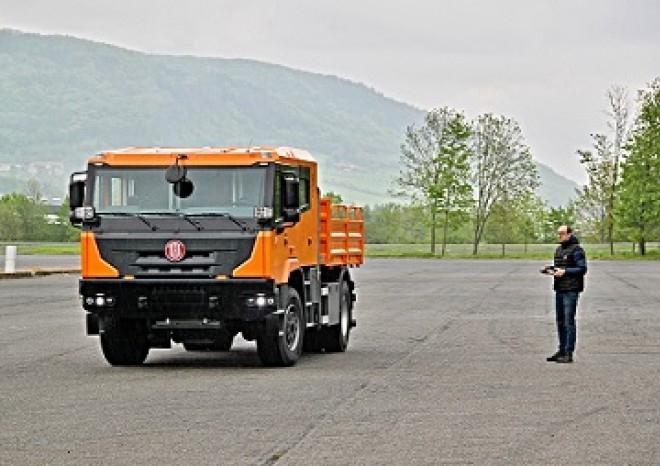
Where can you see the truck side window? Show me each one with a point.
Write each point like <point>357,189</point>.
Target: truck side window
<point>304,189</point>
<point>303,174</point>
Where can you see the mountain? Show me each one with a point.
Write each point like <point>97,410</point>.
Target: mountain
<point>555,189</point>
<point>64,99</point>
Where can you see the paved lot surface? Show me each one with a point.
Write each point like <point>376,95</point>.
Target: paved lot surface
<point>447,366</point>
<point>41,262</point>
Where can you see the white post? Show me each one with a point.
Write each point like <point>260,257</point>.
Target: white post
<point>10,259</point>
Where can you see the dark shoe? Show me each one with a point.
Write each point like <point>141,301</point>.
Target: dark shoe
<point>564,358</point>
<point>554,357</point>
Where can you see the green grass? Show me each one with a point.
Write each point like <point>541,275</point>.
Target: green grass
<point>43,249</point>
<point>623,251</point>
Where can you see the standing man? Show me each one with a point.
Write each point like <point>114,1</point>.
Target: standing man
<point>570,265</point>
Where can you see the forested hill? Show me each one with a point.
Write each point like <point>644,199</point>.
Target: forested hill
<point>63,99</point>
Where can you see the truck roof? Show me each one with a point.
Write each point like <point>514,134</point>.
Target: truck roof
<point>199,155</point>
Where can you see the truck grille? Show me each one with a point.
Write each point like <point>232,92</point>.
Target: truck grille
<point>198,262</point>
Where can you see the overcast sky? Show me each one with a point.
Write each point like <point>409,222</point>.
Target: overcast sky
<point>545,63</point>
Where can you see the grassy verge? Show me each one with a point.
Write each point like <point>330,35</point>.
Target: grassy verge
<point>44,249</point>
<point>623,251</point>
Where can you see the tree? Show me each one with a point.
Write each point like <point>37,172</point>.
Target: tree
<point>519,220</point>
<point>557,216</point>
<point>501,228</point>
<point>436,169</point>
<point>335,198</point>
<point>502,167</point>
<point>593,199</point>
<point>638,206</point>
<point>21,218</point>
<point>394,223</point>
<point>532,215</point>
<point>597,198</point>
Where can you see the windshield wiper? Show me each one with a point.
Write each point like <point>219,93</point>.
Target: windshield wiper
<point>132,214</point>
<point>186,217</point>
<point>221,214</point>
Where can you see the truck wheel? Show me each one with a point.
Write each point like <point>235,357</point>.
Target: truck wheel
<point>124,341</point>
<point>285,348</point>
<point>335,337</point>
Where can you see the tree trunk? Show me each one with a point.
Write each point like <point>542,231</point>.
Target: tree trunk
<point>445,227</point>
<point>475,244</point>
<point>433,231</point>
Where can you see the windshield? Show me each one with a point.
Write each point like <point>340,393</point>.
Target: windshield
<point>139,190</point>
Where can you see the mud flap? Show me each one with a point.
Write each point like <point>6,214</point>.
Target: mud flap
<point>92,324</point>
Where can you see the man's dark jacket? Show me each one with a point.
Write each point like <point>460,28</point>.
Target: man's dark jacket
<point>570,256</point>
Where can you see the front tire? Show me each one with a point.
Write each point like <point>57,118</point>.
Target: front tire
<point>124,341</point>
<point>284,349</point>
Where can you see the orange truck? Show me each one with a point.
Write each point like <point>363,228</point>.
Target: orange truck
<point>194,245</point>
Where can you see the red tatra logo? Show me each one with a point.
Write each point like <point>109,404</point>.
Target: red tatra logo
<point>175,250</point>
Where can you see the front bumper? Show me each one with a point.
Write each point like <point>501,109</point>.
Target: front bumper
<point>245,300</point>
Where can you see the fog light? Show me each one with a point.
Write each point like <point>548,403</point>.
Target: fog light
<point>100,301</point>
<point>89,300</point>
<point>260,301</point>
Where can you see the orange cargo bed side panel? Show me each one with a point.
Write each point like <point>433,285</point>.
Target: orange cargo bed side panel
<point>342,234</point>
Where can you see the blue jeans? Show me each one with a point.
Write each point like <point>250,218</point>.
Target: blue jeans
<point>566,308</point>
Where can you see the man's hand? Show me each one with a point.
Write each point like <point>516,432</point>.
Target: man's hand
<point>559,272</point>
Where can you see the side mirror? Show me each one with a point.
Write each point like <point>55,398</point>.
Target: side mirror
<point>77,190</point>
<point>77,198</point>
<point>291,216</point>
<point>290,198</point>
<point>183,188</point>
<point>176,175</point>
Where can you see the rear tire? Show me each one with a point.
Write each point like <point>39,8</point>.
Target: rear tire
<point>124,341</point>
<point>335,338</point>
<point>284,349</point>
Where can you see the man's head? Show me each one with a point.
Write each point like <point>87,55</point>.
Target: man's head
<point>564,233</point>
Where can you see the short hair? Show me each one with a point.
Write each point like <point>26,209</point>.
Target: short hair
<point>566,226</point>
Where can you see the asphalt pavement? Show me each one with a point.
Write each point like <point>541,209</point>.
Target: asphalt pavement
<point>446,366</point>
<point>28,265</point>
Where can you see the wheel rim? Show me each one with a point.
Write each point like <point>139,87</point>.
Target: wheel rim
<point>292,328</point>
